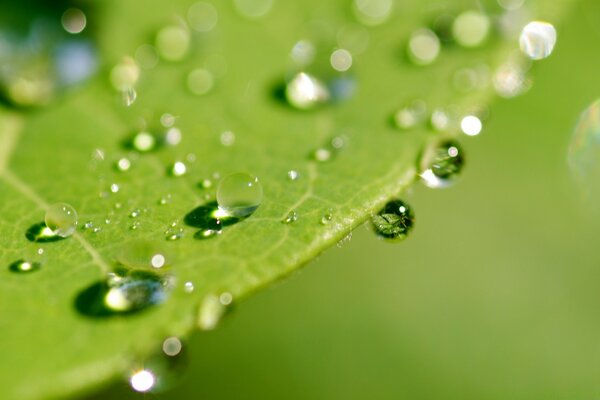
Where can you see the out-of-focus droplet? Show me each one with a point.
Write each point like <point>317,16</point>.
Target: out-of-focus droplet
<point>471,125</point>
<point>172,346</point>
<point>61,218</point>
<point>253,9</point>
<point>341,60</point>
<point>142,381</point>
<point>293,175</point>
<point>423,47</point>
<point>441,165</point>
<point>200,81</point>
<point>125,75</point>
<point>471,28</point>
<point>537,40</point>
<point>73,20</point>
<point>227,138</point>
<point>411,115</point>
<point>211,311</point>
<point>178,168</point>
<point>305,91</point>
<point>188,287</point>
<point>303,52</point>
<point>173,42</point>
<point>146,56</point>
<point>510,80</point>
<point>24,266</point>
<point>143,142</point>
<point>372,12</point>
<point>202,16</point>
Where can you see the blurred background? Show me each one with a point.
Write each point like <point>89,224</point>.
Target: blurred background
<point>494,295</point>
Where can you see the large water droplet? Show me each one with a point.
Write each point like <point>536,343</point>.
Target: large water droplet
<point>442,164</point>
<point>305,91</point>
<point>394,221</point>
<point>61,218</point>
<point>173,42</point>
<point>24,266</point>
<point>471,28</point>
<point>537,40</point>
<point>423,47</point>
<point>239,195</point>
<point>73,20</point>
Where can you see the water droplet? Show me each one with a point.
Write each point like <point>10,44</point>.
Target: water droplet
<point>135,213</point>
<point>142,254</point>
<point>471,125</point>
<point>211,311</point>
<point>40,233</point>
<point>164,200</point>
<point>303,53</point>
<point>114,188</point>
<point>322,155</point>
<point>173,42</point>
<point>178,168</point>
<point>142,381</point>
<point>305,91</point>
<point>202,16</point>
<point>423,47</point>
<point>125,75</point>
<point>146,56</point>
<point>253,9</point>
<point>227,138</point>
<point>410,115</point>
<point>205,184</point>
<point>143,142</point>
<point>293,175</point>
<point>129,96</point>
<point>327,217</point>
<point>123,164</point>
<point>204,234</point>
<point>172,346</point>
<point>200,81</point>
<point>292,216</point>
<point>73,20</point>
<point>442,164</point>
<point>173,136</point>
<point>510,80</point>
<point>239,194</point>
<point>471,28</point>
<point>394,221</point>
<point>61,218</point>
<point>24,266</point>
<point>188,287</point>
<point>372,12</point>
<point>537,40</point>
<point>341,60</point>
<point>167,120</point>
<point>226,298</point>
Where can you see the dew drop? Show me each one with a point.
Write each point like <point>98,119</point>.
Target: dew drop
<point>303,52</point>
<point>204,234</point>
<point>253,9</point>
<point>510,80</point>
<point>200,81</point>
<point>188,287</point>
<point>372,12</point>
<point>142,254</point>
<point>293,175</point>
<point>394,221</point>
<point>173,42</point>
<point>202,16</point>
<point>341,60</point>
<point>471,125</point>
<point>24,266</point>
<point>114,188</point>
<point>167,120</point>
<point>205,184</point>
<point>125,75</point>
<point>123,164</point>
<point>322,155</point>
<point>129,96</point>
<point>292,216</point>
<point>143,142</point>
<point>210,313</point>
<point>441,119</point>
<point>411,115</point>
<point>327,218</point>
<point>305,91</point>
<point>423,47</point>
<point>173,136</point>
<point>172,346</point>
<point>239,195</point>
<point>227,138</point>
<point>537,40</point>
<point>441,165</point>
<point>471,28</point>
<point>178,168</point>
<point>61,218</point>
<point>73,20</point>
<point>142,381</point>
<point>146,56</point>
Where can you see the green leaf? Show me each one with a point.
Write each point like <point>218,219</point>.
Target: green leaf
<point>52,349</point>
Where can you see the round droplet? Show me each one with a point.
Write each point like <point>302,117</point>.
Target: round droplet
<point>142,254</point>
<point>372,12</point>
<point>202,16</point>
<point>24,266</point>
<point>134,292</point>
<point>73,20</point>
<point>292,216</point>
<point>510,80</point>
<point>303,52</point>
<point>394,221</point>
<point>253,8</point>
<point>211,311</point>
<point>178,168</point>
<point>200,81</point>
<point>188,287</point>
<point>142,381</point>
<point>537,40</point>
<point>471,28</point>
<point>227,138</point>
<point>172,346</point>
<point>173,42</point>
<point>143,142</point>
<point>471,125</point>
<point>125,75</point>
<point>123,164</point>
<point>239,194</point>
<point>61,218</point>
<point>293,175</point>
<point>146,56</point>
<point>327,218</point>
<point>410,115</point>
<point>322,155</point>
<point>305,91</point>
<point>423,47</point>
<point>341,60</point>
<point>442,164</point>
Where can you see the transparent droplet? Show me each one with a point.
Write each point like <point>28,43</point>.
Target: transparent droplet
<point>373,12</point>
<point>125,75</point>
<point>143,254</point>
<point>341,60</point>
<point>73,20</point>
<point>253,8</point>
<point>410,115</point>
<point>114,188</point>
<point>133,292</point>
<point>471,28</point>
<point>327,217</point>
<point>205,184</point>
<point>144,142</point>
<point>442,164</point>
<point>202,16</point>
<point>61,218</point>
<point>142,381</point>
<point>173,42</point>
<point>164,200</point>
<point>394,221</point>
<point>305,91</point>
<point>172,346</point>
<point>441,119</point>
<point>211,311</point>
<point>167,120</point>
<point>537,40</point>
<point>423,47</point>
<point>510,80</point>
<point>200,81</point>
<point>293,175</point>
<point>129,96</point>
<point>471,125</point>
<point>322,155</point>
<point>303,52</point>
<point>188,287</point>
<point>123,164</point>
<point>178,168</point>
<point>227,138</point>
<point>584,153</point>
<point>239,194</point>
<point>173,136</point>
<point>26,266</point>
<point>292,216</point>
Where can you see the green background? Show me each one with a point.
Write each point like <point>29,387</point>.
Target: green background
<point>494,296</point>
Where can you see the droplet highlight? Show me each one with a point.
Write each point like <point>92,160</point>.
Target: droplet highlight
<point>61,218</point>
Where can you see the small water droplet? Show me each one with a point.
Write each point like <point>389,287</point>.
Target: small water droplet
<point>372,12</point>
<point>442,164</point>
<point>442,120</point>
<point>471,28</point>
<point>134,226</point>
<point>510,80</point>
<point>205,184</point>
<point>471,125</point>
<point>208,233</point>
<point>227,138</point>
<point>21,266</point>
<point>73,20</point>
<point>410,115</point>
<point>40,251</point>
<point>322,155</point>
<point>341,60</point>
<point>143,142</point>
<point>142,381</point>
<point>305,91</point>
<point>164,200</point>
<point>123,164</point>
<point>253,9</point>
<point>188,287</point>
<point>167,120</point>
<point>173,136</point>
<point>239,195</point>
<point>173,42</point>
<point>327,217</point>
<point>394,221</point>
<point>128,96</point>
<point>135,213</point>
<point>172,346</point>
<point>114,188</point>
<point>61,218</point>
<point>178,168</point>
<point>293,175</point>
<point>423,47</point>
<point>537,40</point>
<point>226,298</point>
<point>292,216</point>
<point>200,81</point>
<point>202,16</point>
<point>125,75</point>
